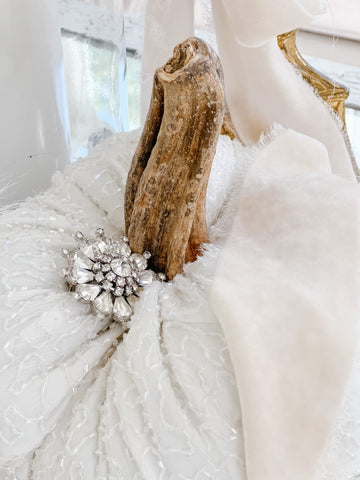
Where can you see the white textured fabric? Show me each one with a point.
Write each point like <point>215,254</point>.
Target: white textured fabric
<point>287,294</point>
<point>294,299</point>
<point>163,403</point>
<point>183,396</point>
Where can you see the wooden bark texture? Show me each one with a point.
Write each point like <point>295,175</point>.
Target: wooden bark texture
<point>165,198</point>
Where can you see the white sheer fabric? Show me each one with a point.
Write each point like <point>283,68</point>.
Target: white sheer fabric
<point>94,52</point>
<point>255,22</point>
<point>261,86</point>
<point>167,24</point>
<point>32,97</point>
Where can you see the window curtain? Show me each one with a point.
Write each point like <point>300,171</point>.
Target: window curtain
<point>95,70</point>
<point>34,131</point>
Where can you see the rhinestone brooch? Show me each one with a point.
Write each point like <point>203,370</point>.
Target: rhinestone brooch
<point>107,275</point>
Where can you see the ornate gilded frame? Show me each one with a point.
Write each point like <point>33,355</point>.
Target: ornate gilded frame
<point>333,93</point>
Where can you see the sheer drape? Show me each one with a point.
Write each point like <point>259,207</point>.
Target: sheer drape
<point>34,131</point>
<point>95,67</point>
<point>261,87</point>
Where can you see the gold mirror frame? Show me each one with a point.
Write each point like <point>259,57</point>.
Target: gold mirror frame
<point>333,93</point>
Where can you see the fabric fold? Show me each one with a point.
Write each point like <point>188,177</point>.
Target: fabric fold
<point>168,23</point>
<point>255,22</point>
<point>286,294</point>
<point>262,87</point>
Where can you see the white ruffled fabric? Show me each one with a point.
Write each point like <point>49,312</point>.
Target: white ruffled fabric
<point>77,402</point>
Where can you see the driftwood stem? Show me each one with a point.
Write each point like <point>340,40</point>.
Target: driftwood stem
<point>165,210</point>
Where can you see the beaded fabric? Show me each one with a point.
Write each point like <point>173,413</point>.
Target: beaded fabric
<point>80,400</point>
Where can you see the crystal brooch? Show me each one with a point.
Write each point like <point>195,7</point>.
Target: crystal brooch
<point>106,274</point>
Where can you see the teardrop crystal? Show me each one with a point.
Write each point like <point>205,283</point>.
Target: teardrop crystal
<point>122,310</point>
<point>88,292</point>
<point>80,275</point>
<point>88,250</point>
<point>81,260</point>
<point>103,303</point>
<point>102,246</point>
